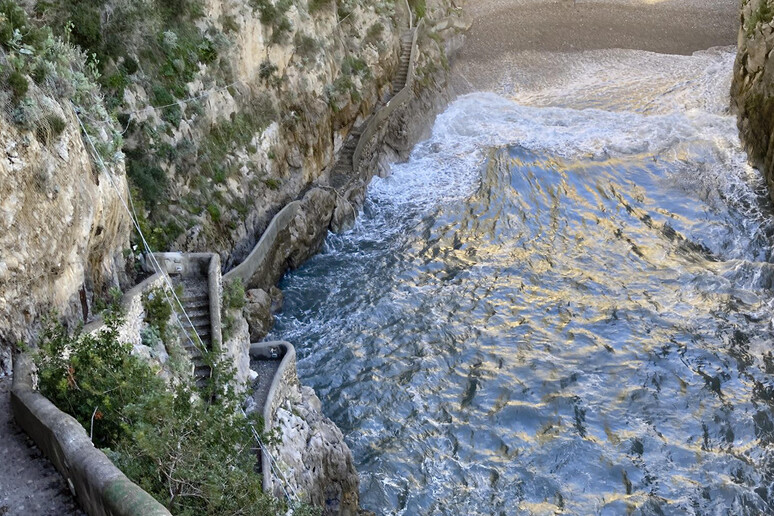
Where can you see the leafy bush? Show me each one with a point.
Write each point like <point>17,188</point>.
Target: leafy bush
<point>214,212</point>
<point>374,34</point>
<point>272,184</point>
<point>151,181</point>
<point>157,310</point>
<point>234,294</point>
<point>194,457</point>
<point>94,378</point>
<point>306,46</point>
<point>18,84</point>
<point>318,5</point>
<point>274,15</point>
<point>419,7</point>
<point>49,128</point>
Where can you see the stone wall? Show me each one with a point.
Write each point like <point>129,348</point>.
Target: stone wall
<point>100,488</point>
<point>312,458</point>
<point>752,91</point>
<point>134,312</point>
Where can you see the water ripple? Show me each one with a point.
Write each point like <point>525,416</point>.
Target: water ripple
<point>552,310</point>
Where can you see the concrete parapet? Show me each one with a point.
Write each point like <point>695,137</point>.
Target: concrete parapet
<point>134,313</point>
<point>400,98</point>
<point>215,284</point>
<point>284,381</point>
<point>99,486</point>
<point>256,263</point>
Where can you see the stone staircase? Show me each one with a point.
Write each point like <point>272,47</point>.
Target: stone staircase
<point>342,171</point>
<point>196,300</point>
<point>405,58</point>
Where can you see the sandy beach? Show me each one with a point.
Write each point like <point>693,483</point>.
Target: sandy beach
<point>503,30</point>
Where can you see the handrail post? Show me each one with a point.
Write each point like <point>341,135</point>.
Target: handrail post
<point>410,16</point>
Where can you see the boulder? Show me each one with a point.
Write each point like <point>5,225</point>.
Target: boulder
<point>258,313</point>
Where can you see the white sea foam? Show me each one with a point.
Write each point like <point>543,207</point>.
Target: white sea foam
<point>680,117</point>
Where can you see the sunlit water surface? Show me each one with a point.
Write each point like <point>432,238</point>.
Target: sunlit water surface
<point>561,302</point>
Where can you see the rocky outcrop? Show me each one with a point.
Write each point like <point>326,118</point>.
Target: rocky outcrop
<point>752,90</point>
<point>313,457</point>
<point>258,313</point>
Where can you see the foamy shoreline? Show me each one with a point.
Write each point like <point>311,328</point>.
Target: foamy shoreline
<point>502,30</point>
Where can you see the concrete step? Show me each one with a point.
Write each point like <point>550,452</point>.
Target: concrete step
<point>198,311</point>
<point>196,304</point>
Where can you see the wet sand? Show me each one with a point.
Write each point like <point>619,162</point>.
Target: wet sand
<point>502,29</point>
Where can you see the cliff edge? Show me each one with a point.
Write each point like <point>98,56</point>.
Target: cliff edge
<point>752,90</point>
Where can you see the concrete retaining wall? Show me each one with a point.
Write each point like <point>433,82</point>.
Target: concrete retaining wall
<point>262,255</point>
<point>134,312</point>
<point>284,382</point>
<point>215,287</point>
<point>100,488</point>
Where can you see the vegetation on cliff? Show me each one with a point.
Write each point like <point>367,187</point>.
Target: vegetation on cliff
<point>191,119</point>
<point>41,70</point>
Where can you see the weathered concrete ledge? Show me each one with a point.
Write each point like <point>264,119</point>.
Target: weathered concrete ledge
<point>131,306</point>
<point>284,379</point>
<point>260,257</point>
<point>98,485</point>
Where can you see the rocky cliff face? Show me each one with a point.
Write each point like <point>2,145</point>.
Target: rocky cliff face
<point>313,457</point>
<point>290,81</point>
<point>752,91</point>
<point>62,228</point>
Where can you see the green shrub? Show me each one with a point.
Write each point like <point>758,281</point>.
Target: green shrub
<point>49,128</point>
<point>764,14</point>
<point>157,310</point>
<point>306,46</point>
<point>318,5</point>
<point>267,70</point>
<point>355,66</point>
<point>194,457</point>
<point>374,34</point>
<point>234,294</point>
<point>272,184</point>
<point>274,15</point>
<point>151,181</point>
<point>18,84</point>
<point>214,212</point>
<point>13,22</point>
<point>419,7</point>
<point>86,26</point>
<point>80,374</point>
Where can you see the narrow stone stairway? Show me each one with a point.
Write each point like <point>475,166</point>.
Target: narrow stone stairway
<point>342,171</point>
<point>196,301</point>
<point>405,59</point>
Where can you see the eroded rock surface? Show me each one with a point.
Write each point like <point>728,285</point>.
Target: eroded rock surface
<point>752,91</point>
<point>313,457</point>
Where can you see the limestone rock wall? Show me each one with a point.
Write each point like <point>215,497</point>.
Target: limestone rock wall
<point>306,78</point>
<point>312,454</point>
<point>752,90</point>
<point>62,228</point>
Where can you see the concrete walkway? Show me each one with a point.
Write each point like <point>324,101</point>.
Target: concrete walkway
<point>29,484</point>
